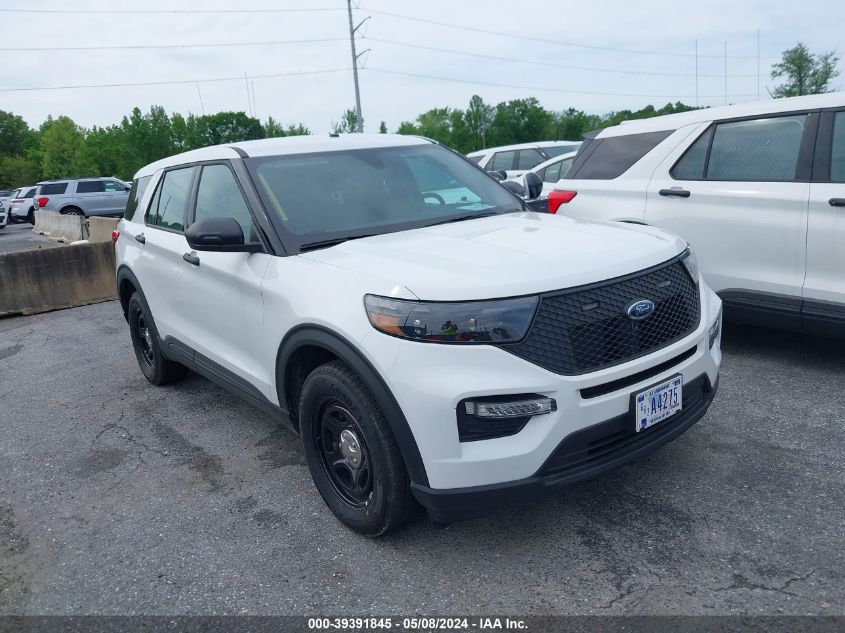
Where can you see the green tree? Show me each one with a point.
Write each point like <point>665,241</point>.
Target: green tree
<point>223,127</point>
<point>15,135</point>
<point>348,123</point>
<point>63,144</point>
<point>804,72</point>
<point>273,129</point>
<point>16,171</point>
<point>479,119</point>
<point>382,128</point>
<point>518,121</point>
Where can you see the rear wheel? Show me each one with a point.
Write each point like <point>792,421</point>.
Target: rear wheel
<point>351,452</point>
<point>73,211</point>
<point>30,217</point>
<point>156,368</point>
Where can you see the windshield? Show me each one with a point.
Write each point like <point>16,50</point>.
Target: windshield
<point>329,195</point>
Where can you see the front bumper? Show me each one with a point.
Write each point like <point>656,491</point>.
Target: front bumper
<point>583,455</point>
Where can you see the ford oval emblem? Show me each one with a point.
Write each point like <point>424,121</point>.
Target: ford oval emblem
<point>640,309</point>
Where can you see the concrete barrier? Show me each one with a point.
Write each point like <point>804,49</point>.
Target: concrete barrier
<point>55,278</point>
<point>58,227</point>
<point>99,229</point>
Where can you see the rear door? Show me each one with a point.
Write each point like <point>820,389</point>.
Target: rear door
<point>224,289</point>
<point>824,285</point>
<point>739,195</point>
<point>115,197</point>
<point>91,196</point>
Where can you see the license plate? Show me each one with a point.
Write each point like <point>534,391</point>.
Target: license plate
<point>658,403</point>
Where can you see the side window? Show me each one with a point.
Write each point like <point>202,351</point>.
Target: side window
<point>219,196</point>
<point>167,209</point>
<point>30,193</point>
<point>837,151</point>
<point>53,189</point>
<point>90,186</point>
<point>552,172</point>
<point>476,159</point>
<point>529,158</point>
<point>113,185</point>
<point>501,160</point>
<point>691,164</point>
<point>136,194</point>
<point>565,164</point>
<point>609,158</point>
<point>761,149</point>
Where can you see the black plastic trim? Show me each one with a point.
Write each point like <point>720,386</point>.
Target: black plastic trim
<point>452,504</point>
<point>239,151</point>
<point>781,312</point>
<point>322,337</point>
<point>633,379</point>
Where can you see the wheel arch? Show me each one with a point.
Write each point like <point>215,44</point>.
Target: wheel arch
<point>323,344</point>
<point>127,283</point>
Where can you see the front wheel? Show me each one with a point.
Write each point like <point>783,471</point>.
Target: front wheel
<point>351,452</point>
<point>30,217</point>
<point>155,366</point>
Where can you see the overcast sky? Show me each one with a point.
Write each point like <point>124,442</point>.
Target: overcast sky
<point>656,65</point>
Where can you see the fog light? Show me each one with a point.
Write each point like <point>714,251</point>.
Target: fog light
<point>514,409</point>
<point>716,328</point>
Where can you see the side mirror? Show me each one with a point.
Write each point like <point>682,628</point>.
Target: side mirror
<point>514,187</point>
<point>533,184</point>
<point>219,234</point>
<point>499,175</point>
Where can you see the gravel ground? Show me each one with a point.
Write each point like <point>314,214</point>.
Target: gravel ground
<point>117,497</point>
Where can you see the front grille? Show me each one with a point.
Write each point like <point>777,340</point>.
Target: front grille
<point>584,329</point>
<point>611,440</point>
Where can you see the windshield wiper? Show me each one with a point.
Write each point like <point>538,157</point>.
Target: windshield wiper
<point>461,218</point>
<point>312,246</point>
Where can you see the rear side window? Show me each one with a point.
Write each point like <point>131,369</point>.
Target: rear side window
<point>90,186</point>
<point>691,165</point>
<point>219,196</point>
<point>608,158</point>
<point>30,193</point>
<point>761,149</point>
<point>837,151</point>
<point>529,158</point>
<point>53,188</point>
<point>136,193</point>
<point>565,166</point>
<point>167,209</point>
<point>552,172</point>
<point>501,160</point>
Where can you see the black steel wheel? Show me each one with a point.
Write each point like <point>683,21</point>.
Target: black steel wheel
<point>343,453</point>
<point>155,366</point>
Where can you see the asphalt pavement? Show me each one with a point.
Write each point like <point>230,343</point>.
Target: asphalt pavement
<point>117,497</point>
<point>19,237</point>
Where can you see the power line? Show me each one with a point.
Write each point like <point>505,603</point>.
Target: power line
<point>545,41</point>
<point>174,82</point>
<point>539,63</point>
<point>543,88</point>
<point>165,46</point>
<point>167,11</point>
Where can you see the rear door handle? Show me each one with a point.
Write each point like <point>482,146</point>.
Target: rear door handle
<point>837,202</point>
<point>678,193</point>
<point>191,259</point>
<point>140,238</point>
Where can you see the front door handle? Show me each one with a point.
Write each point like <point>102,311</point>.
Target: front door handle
<point>836,202</point>
<point>140,238</point>
<point>678,193</point>
<point>191,259</point>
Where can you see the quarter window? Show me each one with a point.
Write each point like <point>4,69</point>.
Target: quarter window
<point>136,193</point>
<point>552,172</point>
<point>167,209</point>
<point>691,165</point>
<point>502,160</point>
<point>837,152</point>
<point>219,196</point>
<point>608,158</point>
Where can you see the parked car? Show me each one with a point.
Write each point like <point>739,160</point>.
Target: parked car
<point>517,159</point>
<point>4,207</point>
<point>550,172</point>
<point>83,196</point>
<point>4,217</point>
<point>22,205</point>
<point>758,189</point>
<point>462,354</point>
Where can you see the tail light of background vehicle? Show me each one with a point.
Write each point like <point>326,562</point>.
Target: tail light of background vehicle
<point>42,202</point>
<point>557,198</point>
<point>114,235</point>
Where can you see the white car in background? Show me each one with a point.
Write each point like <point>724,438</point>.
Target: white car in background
<point>22,205</point>
<point>515,160</point>
<point>757,189</point>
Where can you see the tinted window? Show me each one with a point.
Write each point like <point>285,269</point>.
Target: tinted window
<point>552,173</point>
<point>90,186</point>
<point>565,166</point>
<point>529,158</point>
<point>607,158</point>
<point>691,165</point>
<point>837,153</point>
<point>167,209</point>
<point>136,193</point>
<point>29,193</point>
<point>53,188</point>
<point>501,160</point>
<point>219,196</point>
<point>557,150</point>
<point>366,191</point>
<point>762,149</point>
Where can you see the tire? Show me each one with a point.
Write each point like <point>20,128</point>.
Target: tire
<point>335,401</point>
<point>156,368</point>
<point>73,211</point>
<point>30,217</point>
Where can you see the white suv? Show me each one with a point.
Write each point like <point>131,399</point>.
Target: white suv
<point>757,189</point>
<point>427,337</point>
<point>516,160</point>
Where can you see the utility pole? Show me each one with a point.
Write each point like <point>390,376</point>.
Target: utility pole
<point>358,115</point>
<point>696,73</point>
<point>726,72</point>
<point>758,64</point>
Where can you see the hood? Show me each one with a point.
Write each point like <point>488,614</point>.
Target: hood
<point>503,256</point>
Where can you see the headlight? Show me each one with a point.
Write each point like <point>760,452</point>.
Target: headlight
<point>689,260</point>
<point>497,321</point>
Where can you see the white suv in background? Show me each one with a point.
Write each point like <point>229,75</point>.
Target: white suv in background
<point>450,348</point>
<point>515,160</point>
<point>757,189</point>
